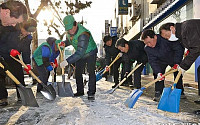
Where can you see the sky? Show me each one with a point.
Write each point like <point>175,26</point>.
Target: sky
<point>94,16</point>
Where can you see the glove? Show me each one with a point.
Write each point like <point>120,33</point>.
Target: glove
<point>186,53</point>
<point>62,45</point>
<point>107,68</point>
<point>29,68</point>
<point>14,52</point>
<point>126,75</point>
<point>182,70</point>
<point>120,54</point>
<point>52,73</point>
<point>63,64</point>
<point>160,75</point>
<point>175,66</point>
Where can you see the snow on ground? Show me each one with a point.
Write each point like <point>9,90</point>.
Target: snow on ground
<point>107,109</point>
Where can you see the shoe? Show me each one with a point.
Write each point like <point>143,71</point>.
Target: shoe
<point>3,102</point>
<point>197,101</point>
<point>78,94</point>
<point>91,97</point>
<point>197,112</point>
<point>183,96</point>
<point>157,96</point>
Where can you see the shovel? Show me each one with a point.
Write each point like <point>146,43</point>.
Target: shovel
<point>112,90</point>
<point>47,91</point>
<point>64,88</point>
<point>170,99</point>
<point>100,74</point>
<point>136,93</point>
<point>26,94</point>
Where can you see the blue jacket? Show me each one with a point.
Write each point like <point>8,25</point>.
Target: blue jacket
<point>164,53</point>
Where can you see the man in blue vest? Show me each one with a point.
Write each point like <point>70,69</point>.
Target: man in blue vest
<point>86,51</point>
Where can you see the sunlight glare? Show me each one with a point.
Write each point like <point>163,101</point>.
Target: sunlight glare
<point>45,15</point>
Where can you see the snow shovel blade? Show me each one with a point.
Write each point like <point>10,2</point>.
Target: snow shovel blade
<point>99,75</point>
<point>130,102</point>
<point>48,91</point>
<point>64,88</point>
<point>170,100</point>
<point>26,94</point>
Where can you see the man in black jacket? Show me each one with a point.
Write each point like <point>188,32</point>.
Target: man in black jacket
<point>11,41</point>
<point>111,52</point>
<point>188,33</point>
<point>11,13</point>
<point>133,50</point>
<point>162,53</point>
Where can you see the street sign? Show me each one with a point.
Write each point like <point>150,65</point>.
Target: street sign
<point>122,7</point>
<point>113,31</point>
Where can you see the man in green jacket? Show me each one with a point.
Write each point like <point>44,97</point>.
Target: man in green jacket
<point>86,51</point>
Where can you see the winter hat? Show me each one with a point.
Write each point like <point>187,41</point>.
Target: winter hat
<point>51,40</point>
<point>30,25</point>
<point>68,22</point>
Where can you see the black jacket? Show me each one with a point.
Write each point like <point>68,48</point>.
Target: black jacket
<point>164,53</point>
<point>136,52</point>
<point>10,39</point>
<point>188,33</point>
<point>111,51</point>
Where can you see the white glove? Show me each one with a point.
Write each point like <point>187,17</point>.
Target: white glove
<point>52,73</point>
<point>63,64</point>
<point>182,70</point>
<point>160,75</point>
<point>120,54</point>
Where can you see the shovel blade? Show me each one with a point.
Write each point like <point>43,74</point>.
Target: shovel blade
<point>170,101</point>
<point>28,99</point>
<point>110,91</point>
<point>65,89</point>
<point>130,102</point>
<point>48,92</point>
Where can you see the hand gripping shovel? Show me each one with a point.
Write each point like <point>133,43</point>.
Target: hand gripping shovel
<point>47,91</point>
<point>112,90</point>
<point>64,88</point>
<point>136,93</point>
<point>100,74</point>
<point>170,99</point>
<point>26,94</point>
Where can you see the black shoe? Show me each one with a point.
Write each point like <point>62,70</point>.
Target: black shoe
<point>197,112</point>
<point>78,94</point>
<point>157,96</point>
<point>197,101</point>
<point>3,102</point>
<point>91,97</point>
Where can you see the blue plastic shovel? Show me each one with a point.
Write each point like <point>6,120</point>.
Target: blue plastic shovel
<point>136,93</point>
<point>170,99</point>
<point>100,74</point>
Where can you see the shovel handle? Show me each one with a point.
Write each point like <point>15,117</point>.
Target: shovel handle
<point>177,78</point>
<point>167,73</point>
<point>116,58</point>
<point>136,67</point>
<point>11,75</point>
<point>20,60</point>
<point>61,57</point>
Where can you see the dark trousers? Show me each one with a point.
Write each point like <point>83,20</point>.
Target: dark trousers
<point>80,66</point>
<point>137,77</point>
<point>160,84</point>
<point>129,79</point>
<point>116,67</point>
<point>16,69</point>
<point>43,76</point>
<point>198,76</point>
